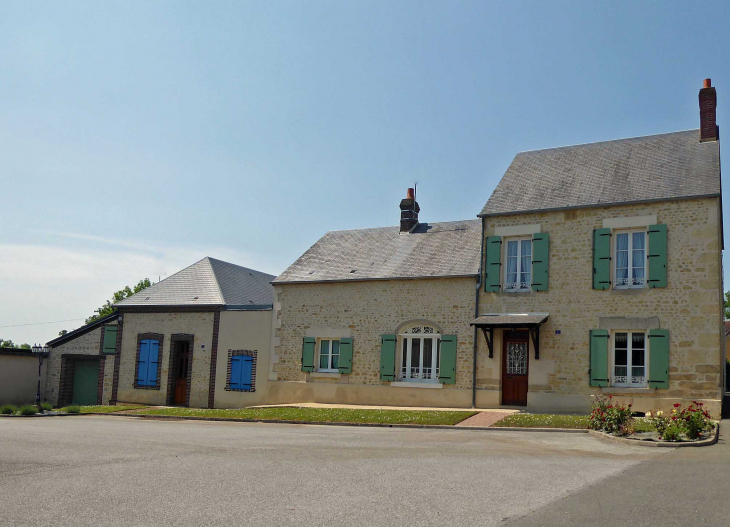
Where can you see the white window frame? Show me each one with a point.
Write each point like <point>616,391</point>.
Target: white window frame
<point>404,372</point>
<point>329,368</point>
<point>614,258</point>
<point>519,241</point>
<point>629,358</point>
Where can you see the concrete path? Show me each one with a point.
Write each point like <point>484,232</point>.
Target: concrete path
<point>484,419</point>
<point>98,471</point>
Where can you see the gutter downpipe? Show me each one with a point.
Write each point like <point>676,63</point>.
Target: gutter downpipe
<point>476,315</point>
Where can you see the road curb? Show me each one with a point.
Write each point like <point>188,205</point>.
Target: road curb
<point>370,425</point>
<point>660,444</point>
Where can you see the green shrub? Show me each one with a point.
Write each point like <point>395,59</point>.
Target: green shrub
<point>28,409</point>
<point>7,409</point>
<point>73,409</point>
<point>673,431</point>
<point>612,418</point>
<point>46,407</point>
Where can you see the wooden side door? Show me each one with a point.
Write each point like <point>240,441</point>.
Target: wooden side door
<point>181,380</point>
<point>515,367</point>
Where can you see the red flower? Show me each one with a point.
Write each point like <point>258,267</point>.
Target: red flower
<point>677,405</point>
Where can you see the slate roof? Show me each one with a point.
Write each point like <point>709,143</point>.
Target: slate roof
<point>208,282</point>
<point>430,250</point>
<point>655,167</point>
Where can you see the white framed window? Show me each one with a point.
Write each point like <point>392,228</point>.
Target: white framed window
<point>630,259</point>
<point>629,359</point>
<point>518,265</point>
<point>329,355</point>
<point>420,347</point>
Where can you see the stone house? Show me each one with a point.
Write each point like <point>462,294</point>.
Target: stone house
<point>198,338</point>
<point>80,365</point>
<point>593,269</point>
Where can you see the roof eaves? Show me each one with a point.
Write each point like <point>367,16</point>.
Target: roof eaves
<point>598,205</point>
<point>249,307</point>
<point>379,279</point>
<point>82,330</point>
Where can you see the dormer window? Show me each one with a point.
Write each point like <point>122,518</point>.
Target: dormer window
<point>630,267</point>
<point>518,265</point>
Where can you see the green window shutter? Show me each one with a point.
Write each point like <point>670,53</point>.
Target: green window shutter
<point>345,364</point>
<point>110,339</point>
<point>599,357</point>
<point>540,257</point>
<point>493,265</point>
<point>657,255</point>
<point>602,259</point>
<point>308,354</point>
<point>447,368</point>
<point>658,358</point>
<point>387,358</point>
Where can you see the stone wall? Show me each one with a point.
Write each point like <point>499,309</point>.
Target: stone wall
<point>200,324</point>
<point>365,310</point>
<point>690,307</point>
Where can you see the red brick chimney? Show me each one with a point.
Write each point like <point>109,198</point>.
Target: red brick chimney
<point>708,112</point>
<point>409,210</point>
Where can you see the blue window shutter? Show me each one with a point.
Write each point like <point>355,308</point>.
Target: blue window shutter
<point>144,352</point>
<point>236,372</point>
<point>154,359</point>
<point>246,373</point>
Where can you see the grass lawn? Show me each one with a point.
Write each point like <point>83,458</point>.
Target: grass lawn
<point>544,421</point>
<point>321,415</point>
<point>105,409</point>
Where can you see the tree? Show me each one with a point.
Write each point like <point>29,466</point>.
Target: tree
<point>11,344</point>
<point>727,305</point>
<point>62,332</point>
<point>108,308</point>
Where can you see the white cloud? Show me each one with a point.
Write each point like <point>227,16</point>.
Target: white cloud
<point>40,283</point>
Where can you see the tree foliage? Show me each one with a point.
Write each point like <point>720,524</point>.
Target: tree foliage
<point>108,308</point>
<point>727,305</point>
<point>11,344</point>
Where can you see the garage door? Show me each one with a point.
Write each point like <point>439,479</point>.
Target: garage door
<point>86,382</point>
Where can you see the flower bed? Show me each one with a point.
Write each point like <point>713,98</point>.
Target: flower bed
<point>692,423</point>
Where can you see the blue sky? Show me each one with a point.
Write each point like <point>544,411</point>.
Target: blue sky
<point>139,137</point>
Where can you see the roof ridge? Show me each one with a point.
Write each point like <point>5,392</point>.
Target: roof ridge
<point>398,227</point>
<point>215,278</point>
<point>606,141</point>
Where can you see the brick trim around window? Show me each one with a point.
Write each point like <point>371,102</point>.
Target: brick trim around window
<point>172,367</point>
<point>153,336</point>
<point>213,359</point>
<point>235,353</point>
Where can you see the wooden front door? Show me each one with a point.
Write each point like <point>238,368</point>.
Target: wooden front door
<point>181,373</point>
<point>515,362</point>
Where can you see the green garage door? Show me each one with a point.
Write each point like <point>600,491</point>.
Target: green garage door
<point>86,382</point>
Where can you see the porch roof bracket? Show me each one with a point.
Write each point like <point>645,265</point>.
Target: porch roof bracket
<point>535,334</point>
<point>489,337</point>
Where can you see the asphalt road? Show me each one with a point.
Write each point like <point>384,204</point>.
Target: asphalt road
<point>86,470</point>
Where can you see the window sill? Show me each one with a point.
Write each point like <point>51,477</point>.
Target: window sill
<point>623,390</point>
<point>326,374</point>
<point>409,384</point>
<point>518,290</point>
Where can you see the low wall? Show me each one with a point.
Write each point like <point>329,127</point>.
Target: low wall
<point>19,376</point>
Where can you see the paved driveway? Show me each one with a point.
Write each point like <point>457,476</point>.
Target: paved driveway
<point>88,470</point>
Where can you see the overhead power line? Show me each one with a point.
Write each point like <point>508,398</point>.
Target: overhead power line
<point>40,323</point>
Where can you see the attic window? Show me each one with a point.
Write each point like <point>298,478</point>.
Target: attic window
<point>147,298</point>
<point>352,271</point>
<point>195,298</point>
